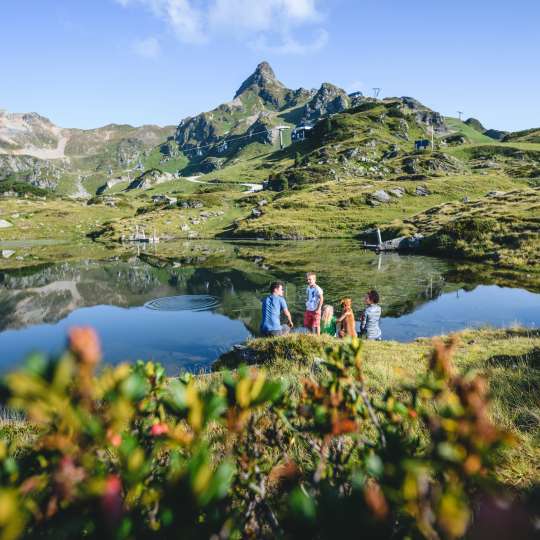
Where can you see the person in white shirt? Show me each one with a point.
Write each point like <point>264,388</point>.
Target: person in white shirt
<point>314,302</point>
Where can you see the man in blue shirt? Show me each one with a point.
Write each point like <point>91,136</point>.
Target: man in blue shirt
<point>272,306</point>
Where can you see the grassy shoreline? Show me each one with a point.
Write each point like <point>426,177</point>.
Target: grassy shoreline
<point>510,359</point>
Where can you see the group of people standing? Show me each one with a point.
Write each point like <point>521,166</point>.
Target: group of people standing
<point>319,318</point>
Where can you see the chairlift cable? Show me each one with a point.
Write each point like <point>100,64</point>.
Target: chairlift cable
<point>194,149</point>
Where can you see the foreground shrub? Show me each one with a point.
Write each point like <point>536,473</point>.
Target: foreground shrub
<point>127,453</point>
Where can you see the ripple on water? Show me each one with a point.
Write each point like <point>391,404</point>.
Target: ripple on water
<point>187,302</point>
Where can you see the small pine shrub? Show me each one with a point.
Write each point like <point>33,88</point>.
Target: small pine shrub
<point>470,228</point>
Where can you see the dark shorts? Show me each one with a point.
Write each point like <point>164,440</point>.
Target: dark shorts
<point>272,333</point>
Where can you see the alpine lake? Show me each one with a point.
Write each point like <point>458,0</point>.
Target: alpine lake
<point>185,303</point>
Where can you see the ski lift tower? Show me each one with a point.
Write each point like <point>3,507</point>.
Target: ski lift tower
<point>432,135</point>
<point>281,129</point>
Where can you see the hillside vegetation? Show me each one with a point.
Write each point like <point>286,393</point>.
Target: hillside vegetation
<point>509,358</point>
<point>376,437</point>
<point>502,227</point>
<point>358,168</point>
<point>527,135</point>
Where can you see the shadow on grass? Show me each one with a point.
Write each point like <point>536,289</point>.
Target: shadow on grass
<point>529,359</point>
<point>515,382</point>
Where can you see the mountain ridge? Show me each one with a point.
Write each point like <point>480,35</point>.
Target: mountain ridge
<point>261,100</point>
<point>36,151</point>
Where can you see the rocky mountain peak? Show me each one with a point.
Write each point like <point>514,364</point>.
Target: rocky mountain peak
<point>264,68</point>
<point>328,99</point>
<point>262,79</point>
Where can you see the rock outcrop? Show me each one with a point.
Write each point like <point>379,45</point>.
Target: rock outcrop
<point>329,99</point>
<point>424,115</point>
<point>149,179</point>
<point>261,103</point>
<point>263,83</point>
<point>29,134</point>
<point>40,173</point>
<point>111,182</point>
<point>496,134</point>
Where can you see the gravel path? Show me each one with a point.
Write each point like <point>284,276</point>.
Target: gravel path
<point>252,187</point>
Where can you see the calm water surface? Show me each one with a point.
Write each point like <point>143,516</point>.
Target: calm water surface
<point>184,304</point>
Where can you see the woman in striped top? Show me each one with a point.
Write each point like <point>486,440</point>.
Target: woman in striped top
<point>369,325</point>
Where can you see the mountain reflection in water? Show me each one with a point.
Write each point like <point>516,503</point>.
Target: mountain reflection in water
<point>188,302</point>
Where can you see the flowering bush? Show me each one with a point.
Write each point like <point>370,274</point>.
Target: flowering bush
<point>127,453</point>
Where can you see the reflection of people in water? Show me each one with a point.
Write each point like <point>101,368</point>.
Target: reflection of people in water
<point>346,323</point>
<point>272,306</point>
<point>369,325</point>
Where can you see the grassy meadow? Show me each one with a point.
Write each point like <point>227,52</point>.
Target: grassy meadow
<point>509,358</point>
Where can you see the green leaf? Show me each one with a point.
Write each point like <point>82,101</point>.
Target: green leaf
<point>135,387</point>
<point>214,406</point>
<point>271,391</point>
<point>321,414</point>
<point>36,364</point>
<point>450,452</point>
<point>374,465</point>
<point>302,504</point>
<point>63,374</point>
<point>219,484</point>
<point>10,465</point>
<point>176,396</point>
<point>129,443</point>
<point>400,408</point>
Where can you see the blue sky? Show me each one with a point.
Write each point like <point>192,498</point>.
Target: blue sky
<point>86,63</point>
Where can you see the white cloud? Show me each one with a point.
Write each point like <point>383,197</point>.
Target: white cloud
<point>147,48</point>
<point>262,15</point>
<point>198,21</point>
<point>287,44</point>
<point>186,20</point>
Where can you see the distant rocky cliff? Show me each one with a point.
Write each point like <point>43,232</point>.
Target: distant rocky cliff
<point>261,103</point>
<point>34,150</point>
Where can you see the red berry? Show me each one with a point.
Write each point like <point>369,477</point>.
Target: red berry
<point>159,429</point>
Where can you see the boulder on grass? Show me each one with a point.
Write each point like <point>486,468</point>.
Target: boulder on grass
<point>397,192</point>
<point>380,196</point>
<point>422,191</point>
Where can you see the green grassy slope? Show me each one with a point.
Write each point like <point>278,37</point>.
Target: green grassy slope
<point>331,180</point>
<point>503,228</point>
<point>472,135</point>
<point>508,358</point>
<point>325,187</point>
<point>341,209</point>
<point>526,136</point>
